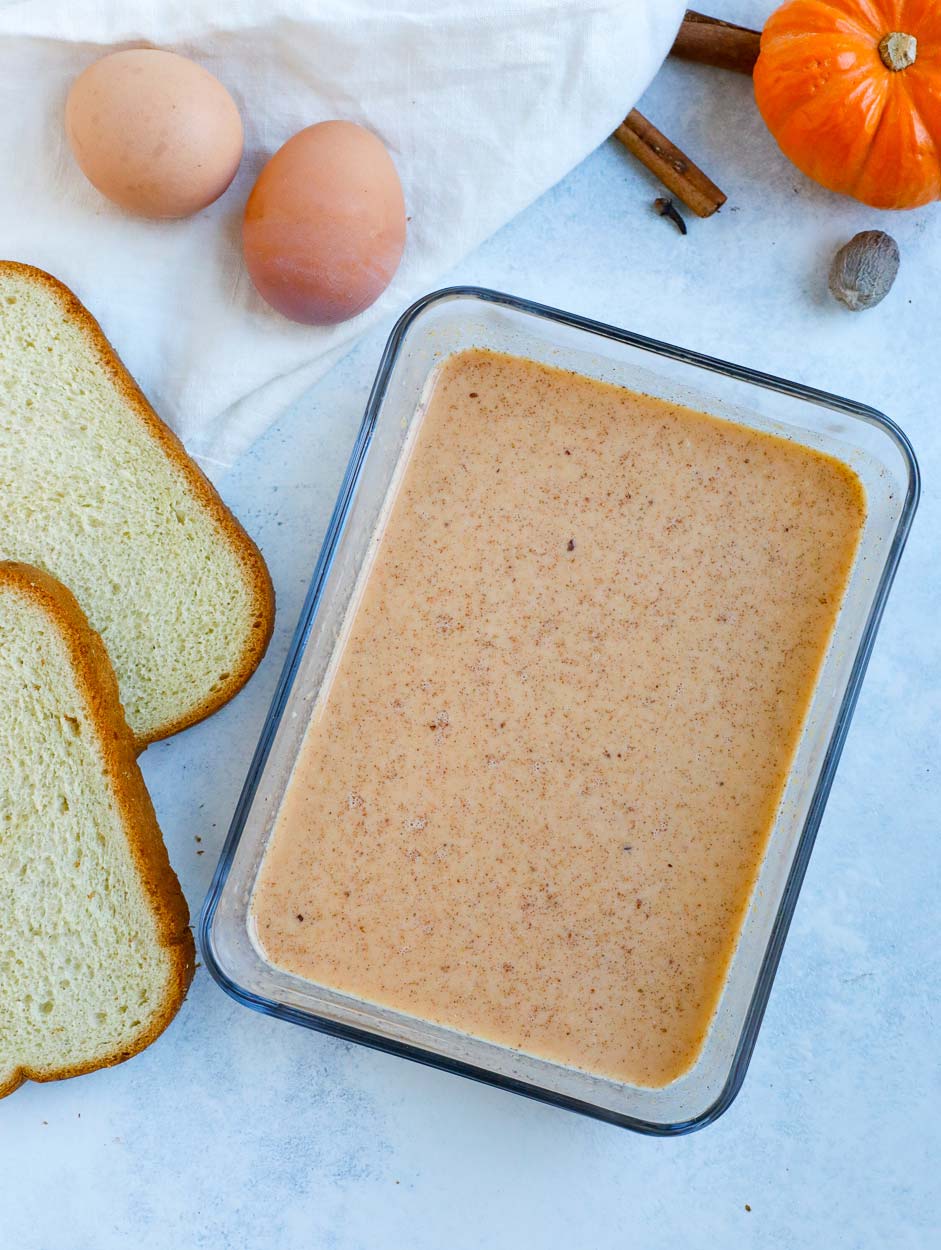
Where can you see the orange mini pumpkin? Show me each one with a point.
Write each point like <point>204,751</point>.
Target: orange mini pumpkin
<point>851,90</point>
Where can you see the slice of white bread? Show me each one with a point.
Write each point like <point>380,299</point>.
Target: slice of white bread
<point>96,490</point>
<point>96,952</point>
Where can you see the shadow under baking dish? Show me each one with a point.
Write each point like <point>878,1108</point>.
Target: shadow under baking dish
<point>433,329</point>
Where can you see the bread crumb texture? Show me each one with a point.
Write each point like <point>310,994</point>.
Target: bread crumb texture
<point>97,491</point>
<point>95,949</point>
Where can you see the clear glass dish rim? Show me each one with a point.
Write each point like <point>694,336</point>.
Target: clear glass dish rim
<point>772,954</point>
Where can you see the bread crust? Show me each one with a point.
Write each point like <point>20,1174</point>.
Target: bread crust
<point>99,686</point>
<point>250,558</point>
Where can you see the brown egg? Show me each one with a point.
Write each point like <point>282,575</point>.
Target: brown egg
<point>154,132</point>
<point>324,225</point>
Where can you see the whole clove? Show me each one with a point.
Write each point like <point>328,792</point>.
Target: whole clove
<point>666,208</point>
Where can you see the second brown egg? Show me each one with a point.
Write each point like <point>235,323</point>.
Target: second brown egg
<point>324,226</point>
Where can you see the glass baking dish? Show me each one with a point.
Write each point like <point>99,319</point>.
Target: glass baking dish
<point>435,327</point>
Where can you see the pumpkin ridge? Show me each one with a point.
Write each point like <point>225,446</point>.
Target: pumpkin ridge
<point>852,176</point>
<point>859,177</point>
<point>872,171</point>
<point>914,85</point>
<point>830,19</point>
<point>786,40</point>
<point>871,15</point>
<point>924,22</point>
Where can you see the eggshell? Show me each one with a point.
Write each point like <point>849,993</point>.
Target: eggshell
<point>324,225</point>
<point>154,132</point>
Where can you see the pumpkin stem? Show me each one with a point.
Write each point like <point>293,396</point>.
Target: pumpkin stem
<point>898,50</point>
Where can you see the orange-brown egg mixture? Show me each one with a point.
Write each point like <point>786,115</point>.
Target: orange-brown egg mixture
<point>533,801</point>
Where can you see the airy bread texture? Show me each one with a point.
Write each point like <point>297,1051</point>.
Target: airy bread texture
<point>96,953</point>
<point>97,491</point>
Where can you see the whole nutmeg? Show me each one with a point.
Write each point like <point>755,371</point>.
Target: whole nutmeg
<point>864,269</point>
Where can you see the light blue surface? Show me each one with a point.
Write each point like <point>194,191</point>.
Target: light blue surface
<point>235,1130</point>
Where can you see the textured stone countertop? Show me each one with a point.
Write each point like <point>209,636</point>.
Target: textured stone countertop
<point>237,1131</point>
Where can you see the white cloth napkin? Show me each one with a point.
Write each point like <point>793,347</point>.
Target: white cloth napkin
<point>484,104</point>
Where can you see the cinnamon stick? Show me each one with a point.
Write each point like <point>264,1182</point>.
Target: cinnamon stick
<point>674,169</point>
<point>710,41</point>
